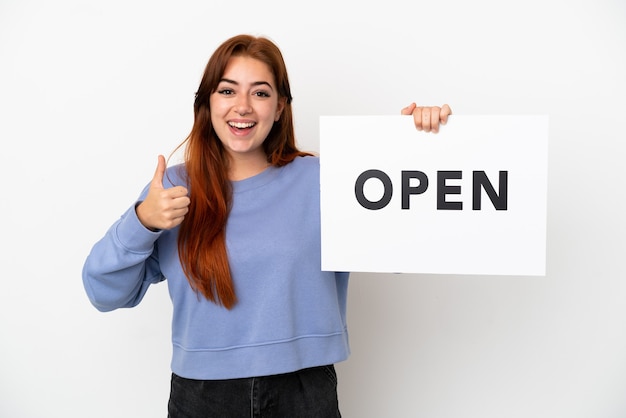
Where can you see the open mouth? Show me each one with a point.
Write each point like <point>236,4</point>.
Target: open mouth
<point>241,125</point>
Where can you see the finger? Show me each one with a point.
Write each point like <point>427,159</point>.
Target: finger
<point>157,179</point>
<point>417,118</point>
<point>180,203</point>
<point>408,110</point>
<point>177,192</point>
<point>434,119</point>
<point>426,114</point>
<point>180,213</point>
<point>445,112</point>
<point>174,215</point>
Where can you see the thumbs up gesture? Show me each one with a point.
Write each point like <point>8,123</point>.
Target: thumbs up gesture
<point>163,208</point>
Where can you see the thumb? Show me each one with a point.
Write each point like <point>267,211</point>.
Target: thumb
<point>157,180</point>
<point>409,109</point>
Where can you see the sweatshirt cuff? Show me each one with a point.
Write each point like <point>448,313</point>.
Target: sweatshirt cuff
<point>132,235</point>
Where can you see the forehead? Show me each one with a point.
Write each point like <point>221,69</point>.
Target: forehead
<point>247,69</point>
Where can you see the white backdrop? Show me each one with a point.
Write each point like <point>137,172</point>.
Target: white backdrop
<point>91,92</point>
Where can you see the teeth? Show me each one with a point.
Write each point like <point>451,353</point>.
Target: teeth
<point>241,125</point>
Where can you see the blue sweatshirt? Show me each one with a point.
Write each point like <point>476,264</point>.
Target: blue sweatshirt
<point>290,315</point>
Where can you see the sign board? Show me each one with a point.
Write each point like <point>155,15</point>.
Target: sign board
<point>470,199</point>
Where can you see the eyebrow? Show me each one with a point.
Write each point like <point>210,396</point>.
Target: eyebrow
<point>256,83</point>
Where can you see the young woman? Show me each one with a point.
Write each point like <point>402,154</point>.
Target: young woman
<point>235,230</point>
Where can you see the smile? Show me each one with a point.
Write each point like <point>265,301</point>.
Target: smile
<point>241,125</point>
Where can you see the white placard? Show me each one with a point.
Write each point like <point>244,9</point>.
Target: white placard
<point>470,199</point>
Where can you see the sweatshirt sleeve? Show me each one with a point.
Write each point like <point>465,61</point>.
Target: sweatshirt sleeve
<point>122,265</point>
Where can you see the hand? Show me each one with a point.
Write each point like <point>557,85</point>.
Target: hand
<point>163,208</point>
<point>428,119</point>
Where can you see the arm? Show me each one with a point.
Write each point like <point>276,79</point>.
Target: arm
<point>123,264</point>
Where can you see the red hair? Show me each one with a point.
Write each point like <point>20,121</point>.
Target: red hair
<point>201,239</point>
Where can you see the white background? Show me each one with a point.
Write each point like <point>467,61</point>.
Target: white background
<point>91,92</point>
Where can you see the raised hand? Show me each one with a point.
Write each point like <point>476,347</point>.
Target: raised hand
<point>428,118</point>
<point>163,208</point>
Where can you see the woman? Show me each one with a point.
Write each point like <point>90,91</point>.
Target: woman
<point>235,230</point>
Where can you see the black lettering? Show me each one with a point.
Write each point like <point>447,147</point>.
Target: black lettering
<point>443,189</point>
<point>499,200</point>
<point>360,195</point>
<point>408,190</point>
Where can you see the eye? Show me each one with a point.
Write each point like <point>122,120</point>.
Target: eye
<point>261,93</point>
<point>225,92</point>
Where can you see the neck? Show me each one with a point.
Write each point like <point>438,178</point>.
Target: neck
<point>243,167</point>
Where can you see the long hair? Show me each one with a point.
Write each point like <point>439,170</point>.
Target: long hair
<point>201,240</point>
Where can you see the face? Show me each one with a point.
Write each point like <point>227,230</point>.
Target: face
<point>244,107</point>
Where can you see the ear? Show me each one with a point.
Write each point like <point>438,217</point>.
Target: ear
<point>282,102</point>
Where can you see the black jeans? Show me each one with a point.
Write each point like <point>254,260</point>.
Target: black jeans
<point>308,393</point>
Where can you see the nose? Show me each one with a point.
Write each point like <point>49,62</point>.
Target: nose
<point>243,106</point>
